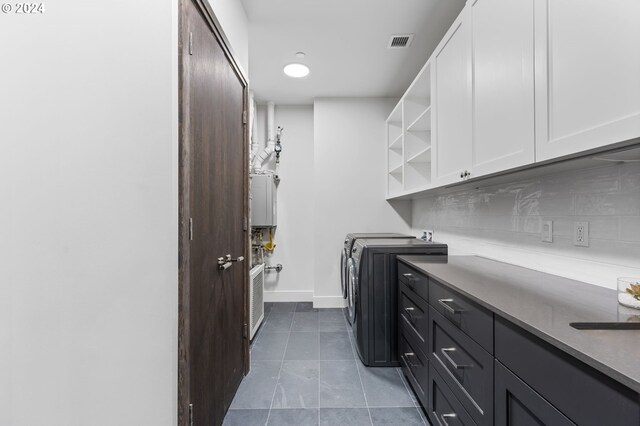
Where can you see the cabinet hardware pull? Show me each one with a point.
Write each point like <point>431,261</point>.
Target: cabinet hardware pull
<point>445,353</point>
<point>407,355</point>
<point>409,312</point>
<point>442,418</point>
<point>446,304</point>
<point>408,276</point>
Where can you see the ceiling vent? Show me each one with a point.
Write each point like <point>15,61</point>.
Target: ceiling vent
<point>400,41</point>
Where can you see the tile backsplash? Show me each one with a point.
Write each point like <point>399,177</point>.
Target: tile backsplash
<point>504,222</point>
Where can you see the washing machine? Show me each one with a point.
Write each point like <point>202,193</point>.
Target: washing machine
<point>373,284</point>
<point>346,254</point>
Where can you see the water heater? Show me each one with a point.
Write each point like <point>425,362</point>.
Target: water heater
<point>263,200</point>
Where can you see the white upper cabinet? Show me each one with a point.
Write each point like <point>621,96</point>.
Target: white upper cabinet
<point>515,83</point>
<point>452,104</point>
<point>503,85</point>
<point>587,74</point>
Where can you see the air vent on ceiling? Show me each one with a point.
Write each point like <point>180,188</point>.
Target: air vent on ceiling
<point>400,41</point>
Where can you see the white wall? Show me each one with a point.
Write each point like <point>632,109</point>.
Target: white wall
<point>504,222</point>
<point>88,218</point>
<point>233,19</point>
<point>294,233</point>
<point>332,171</point>
<point>349,184</point>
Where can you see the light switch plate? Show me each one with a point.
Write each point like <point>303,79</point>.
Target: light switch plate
<point>547,231</point>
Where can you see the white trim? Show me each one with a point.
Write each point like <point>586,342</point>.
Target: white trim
<point>328,302</point>
<point>288,296</point>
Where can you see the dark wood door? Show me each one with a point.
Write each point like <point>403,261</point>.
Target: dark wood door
<point>213,133</point>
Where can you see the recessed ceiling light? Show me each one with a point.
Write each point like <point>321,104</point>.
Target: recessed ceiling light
<point>296,70</point>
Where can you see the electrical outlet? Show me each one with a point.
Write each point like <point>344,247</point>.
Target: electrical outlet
<point>427,235</point>
<point>547,231</point>
<point>581,234</point>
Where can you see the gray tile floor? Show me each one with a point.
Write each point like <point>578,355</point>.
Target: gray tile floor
<point>305,371</point>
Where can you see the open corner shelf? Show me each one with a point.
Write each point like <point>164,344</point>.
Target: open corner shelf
<point>396,144</point>
<point>423,156</point>
<point>422,123</point>
<point>396,171</point>
<point>409,138</point>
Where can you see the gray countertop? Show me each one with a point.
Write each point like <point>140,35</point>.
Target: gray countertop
<point>544,305</point>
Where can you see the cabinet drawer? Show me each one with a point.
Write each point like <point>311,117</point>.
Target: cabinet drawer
<point>415,366</point>
<point>584,395</point>
<point>444,409</point>
<point>474,320</point>
<point>464,366</point>
<point>416,281</point>
<point>414,317</point>
<point>519,405</point>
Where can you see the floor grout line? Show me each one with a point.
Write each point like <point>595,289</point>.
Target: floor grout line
<point>364,394</point>
<point>275,390</point>
<point>406,386</point>
<point>355,359</point>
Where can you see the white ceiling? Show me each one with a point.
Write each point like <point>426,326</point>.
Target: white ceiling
<point>345,42</point>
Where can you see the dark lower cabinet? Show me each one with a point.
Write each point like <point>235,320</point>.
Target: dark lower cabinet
<point>586,396</point>
<point>465,367</point>
<point>444,409</point>
<point>415,366</point>
<point>481,369</point>
<point>516,404</point>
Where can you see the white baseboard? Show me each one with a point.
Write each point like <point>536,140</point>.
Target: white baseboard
<point>304,296</point>
<point>328,302</point>
<point>288,296</point>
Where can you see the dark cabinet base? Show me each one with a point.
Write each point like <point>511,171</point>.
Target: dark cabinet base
<point>519,405</point>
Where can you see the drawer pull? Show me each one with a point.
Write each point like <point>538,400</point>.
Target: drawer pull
<point>410,354</point>
<point>445,353</point>
<point>409,277</point>
<point>409,312</point>
<point>450,306</point>
<point>443,417</point>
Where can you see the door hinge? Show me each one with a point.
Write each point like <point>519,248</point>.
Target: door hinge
<point>190,414</point>
<point>190,43</point>
<point>190,229</point>
<point>244,117</point>
<point>245,331</point>
<point>245,225</point>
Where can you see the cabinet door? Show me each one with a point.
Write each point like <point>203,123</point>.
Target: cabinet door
<point>587,74</point>
<point>503,108</point>
<point>516,404</point>
<point>452,148</point>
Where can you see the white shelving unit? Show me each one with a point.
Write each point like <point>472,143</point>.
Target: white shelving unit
<point>395,148</point>
<point>409,139</point>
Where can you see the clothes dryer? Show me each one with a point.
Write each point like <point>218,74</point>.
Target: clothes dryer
<point>373,283</point>
<point>349,240</point>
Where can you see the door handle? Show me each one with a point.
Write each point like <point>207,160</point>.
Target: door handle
<point>238,259</point>
<point>227,261</point>
<point>224,265</point>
